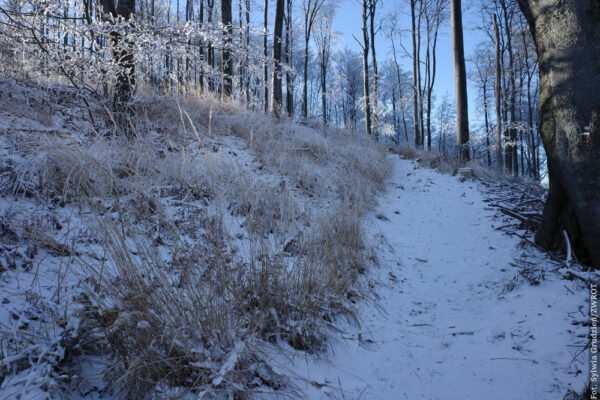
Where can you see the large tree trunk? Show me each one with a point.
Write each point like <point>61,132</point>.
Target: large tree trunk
<point>277,91</point>
<point>566,34</point>
<point>460,79</point>
<point>226,62</point>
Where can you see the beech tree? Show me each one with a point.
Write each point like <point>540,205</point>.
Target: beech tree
<point>566,35</point>
<point>497,89</point>
<point>365,53</point>
<point>289,45</point>
<point>266,54</point>
<point>323,41</point>
<point>416,69</point>
<point>123,55</point>
<point>435,14</point>
<point>460,78</point>
<point>226,61</point>
<point>311,10</point>
<point>277,92</point>
<point>372,9</point>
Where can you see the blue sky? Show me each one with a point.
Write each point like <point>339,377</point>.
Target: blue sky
<point>348,22</point>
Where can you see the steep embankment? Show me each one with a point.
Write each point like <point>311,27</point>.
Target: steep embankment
<point>160,264</point>
<point>454,317</point>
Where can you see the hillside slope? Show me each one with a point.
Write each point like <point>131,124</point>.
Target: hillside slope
<point>159,265</point>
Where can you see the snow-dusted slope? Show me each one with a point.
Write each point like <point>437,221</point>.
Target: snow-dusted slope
<point>453,319</point>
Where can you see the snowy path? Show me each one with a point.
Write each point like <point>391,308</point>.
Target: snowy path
<point>452,326</point>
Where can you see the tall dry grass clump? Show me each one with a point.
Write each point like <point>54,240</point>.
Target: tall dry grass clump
<point>217,229</point>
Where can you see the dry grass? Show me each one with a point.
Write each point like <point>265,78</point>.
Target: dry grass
<point>209,252</point>
<point>446,164</point>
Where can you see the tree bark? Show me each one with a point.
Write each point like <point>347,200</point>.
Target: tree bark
<point>210,4</point>
<point>277,91</point>
<point>566,34</point>
<point>512,131</point>
<point>226,61</point>
<point>413,4</point>
<point>420,88</point>
<point>460,79</point>
<point>289,78</point>
<point>312,9</point>
<point>497,93</point>
<point>122,53</point>
<point>247,46</point>
<point>487,125</point>
<point>365,49</point>
<point>266,55</point>
<point>431,72</point>
<point>372,9</point>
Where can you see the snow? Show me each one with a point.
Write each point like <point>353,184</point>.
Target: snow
<point>451,318</point>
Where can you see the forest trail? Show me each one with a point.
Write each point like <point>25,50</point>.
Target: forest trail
<point>451,318</point>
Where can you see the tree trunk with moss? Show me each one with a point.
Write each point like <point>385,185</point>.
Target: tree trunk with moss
<point>567,37</point>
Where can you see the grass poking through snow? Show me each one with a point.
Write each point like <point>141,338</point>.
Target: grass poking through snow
<point>213,230</point>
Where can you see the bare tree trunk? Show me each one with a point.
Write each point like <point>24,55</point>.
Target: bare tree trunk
<point>122,52</point>
<point>365,49</point>
<point>289,78</point>
<point>372,10</point>
<point>277,90</point>
<point>226,61</point>
<point>305,80</point>
<point>399,81</point>
<point>531,133</point>
<point>242,66</point>
<point>419,80</point>
<point>247,55</point>
<point>487,124</point>
<point>520,118</point>
<point>323,67</point>
<point>201,46</point>
<point>414,75</point>
<point>210,50</point>
<point>460,78</point>
<point>394,119</point>
<point>312,9</point>
<point>431,68</point>
<point>512,148</point>
<point>566,34</point>
<point>266,55</point>
<point>497,93</point>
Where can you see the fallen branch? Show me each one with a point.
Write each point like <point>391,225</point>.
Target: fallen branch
<point>526,220</point>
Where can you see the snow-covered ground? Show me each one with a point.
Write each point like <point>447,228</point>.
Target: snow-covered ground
<point>450,314</point>
<point>451,317</point>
